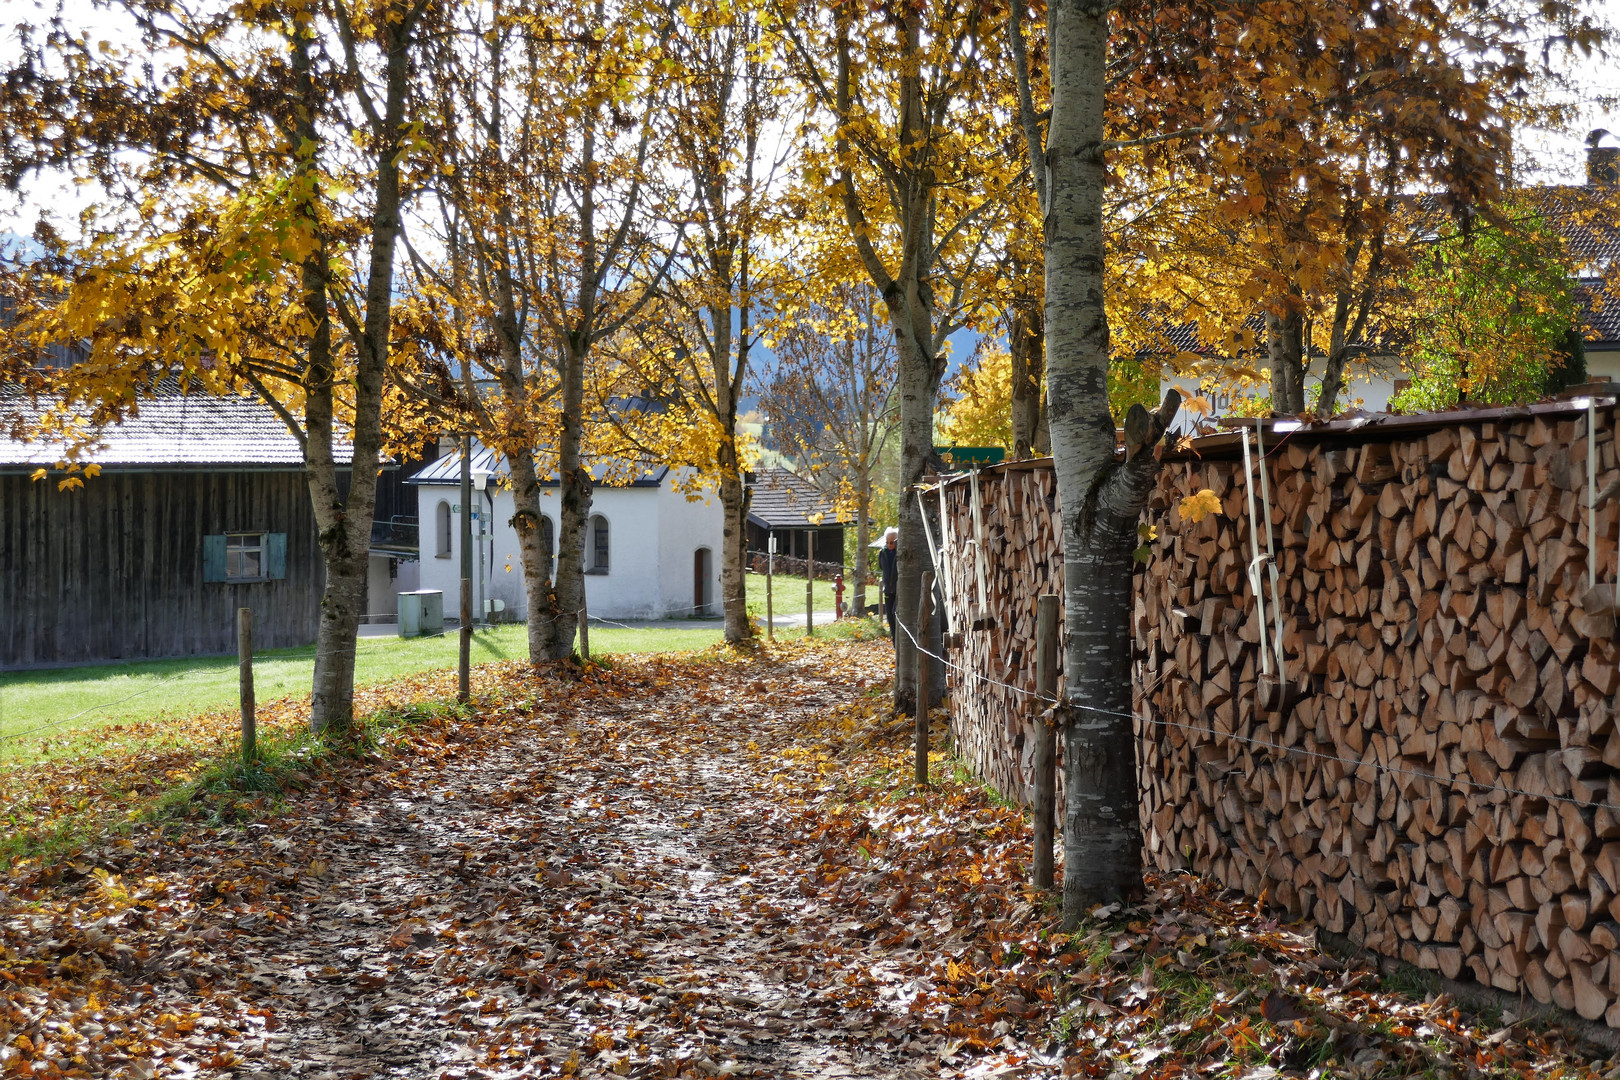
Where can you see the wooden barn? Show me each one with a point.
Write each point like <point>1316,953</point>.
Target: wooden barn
<point>200,508</point>
<point>792,509</point>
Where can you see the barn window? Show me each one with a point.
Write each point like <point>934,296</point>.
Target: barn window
<point>442,530</point>
<point>245,557</point>
<point>596,551</point>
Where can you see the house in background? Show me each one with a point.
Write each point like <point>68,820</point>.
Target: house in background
<point>1593,242</point>
<point>797,513</point>
<point>651,550</point>
<point>201,508</point>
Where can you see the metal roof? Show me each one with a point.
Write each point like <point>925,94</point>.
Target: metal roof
<point>447,470</point>
<point>172,429</point>
<point>785,500</point>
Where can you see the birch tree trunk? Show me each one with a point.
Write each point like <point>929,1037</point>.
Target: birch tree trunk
<point>733,585</point>
<point>540,598</point>
<point>1102,498</point>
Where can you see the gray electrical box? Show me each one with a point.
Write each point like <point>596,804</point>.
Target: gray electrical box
<point>421,612</point>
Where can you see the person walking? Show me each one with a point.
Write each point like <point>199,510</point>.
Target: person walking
<point>889,573</point>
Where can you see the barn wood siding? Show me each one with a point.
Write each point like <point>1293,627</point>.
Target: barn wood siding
<point>114,571</point>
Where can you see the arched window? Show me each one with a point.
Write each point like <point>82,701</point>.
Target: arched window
<point>546,543</point>
<point>596,546</point>
<point>441,530</point>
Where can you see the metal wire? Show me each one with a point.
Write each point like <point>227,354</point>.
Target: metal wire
<point>1354,764</point>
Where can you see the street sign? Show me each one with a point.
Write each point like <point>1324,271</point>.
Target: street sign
<point>966,457</point>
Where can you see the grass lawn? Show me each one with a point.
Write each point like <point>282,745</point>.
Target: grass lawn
<point>789,595</point>
<point>75,699</point>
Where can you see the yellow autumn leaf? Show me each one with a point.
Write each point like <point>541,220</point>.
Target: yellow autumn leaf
<point>38,474</point>
<point>1196,508</point>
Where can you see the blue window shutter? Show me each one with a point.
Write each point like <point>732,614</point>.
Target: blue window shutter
<point>214,558</point>
<point>275,556</point>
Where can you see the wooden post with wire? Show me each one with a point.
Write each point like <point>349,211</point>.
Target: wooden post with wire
<point>925,615</point>
<point>809,584</point>
<point>244,655</point>
<point>1048,614</point>
<point>770,574</point>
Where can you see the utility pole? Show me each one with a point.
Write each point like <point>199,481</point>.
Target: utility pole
<point>464,668</point>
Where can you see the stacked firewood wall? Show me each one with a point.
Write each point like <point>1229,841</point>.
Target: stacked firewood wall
<point>1441,778</point>
<point>993,714</point>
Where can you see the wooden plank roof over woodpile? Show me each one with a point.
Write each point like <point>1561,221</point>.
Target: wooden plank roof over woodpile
<point>784,500</point>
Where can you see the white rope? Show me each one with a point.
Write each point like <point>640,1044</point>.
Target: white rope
<point>1271,554</point>
<point>1259,559</point>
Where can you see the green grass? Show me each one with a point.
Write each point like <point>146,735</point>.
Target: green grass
<point>788,595</point>
<point>81,698</point>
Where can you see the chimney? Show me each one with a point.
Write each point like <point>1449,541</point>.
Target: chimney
<point>1602,162</point>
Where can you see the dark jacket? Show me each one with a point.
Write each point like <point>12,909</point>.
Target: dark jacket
<point>889,568</point>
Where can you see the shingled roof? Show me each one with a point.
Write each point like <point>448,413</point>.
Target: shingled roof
<point>785,500</point>
<point>447,470</point>
<point>174,430</point>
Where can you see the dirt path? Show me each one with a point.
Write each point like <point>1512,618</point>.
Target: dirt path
<point>591,882</point>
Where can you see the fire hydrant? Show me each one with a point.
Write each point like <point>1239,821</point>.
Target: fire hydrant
<point>838,596</point>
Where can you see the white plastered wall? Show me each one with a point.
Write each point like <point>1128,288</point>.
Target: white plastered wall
<point>652,533</point>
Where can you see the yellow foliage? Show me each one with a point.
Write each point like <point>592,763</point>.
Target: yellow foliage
<point>1197,507</point>
<point>982,416</point>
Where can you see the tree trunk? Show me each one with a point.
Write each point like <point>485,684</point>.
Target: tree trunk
<point>733,585</point>
<point>540,597</point>
<point>1027,345</point>
<point>574,483</point>
<point>344,523</point>
<point>1101,499</point>
<point>919,389</point>
<point>1285,348</point>
<point>863,536</point>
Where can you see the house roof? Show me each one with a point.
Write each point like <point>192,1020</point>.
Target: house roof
<point>447,470</point>
<point>785,500</point>
<point>1579,213</point>
<point>172,429</point>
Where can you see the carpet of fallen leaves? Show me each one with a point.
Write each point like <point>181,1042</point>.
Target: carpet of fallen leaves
<point>678,867</point>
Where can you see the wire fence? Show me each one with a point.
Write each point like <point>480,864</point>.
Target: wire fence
<point>362,646</point>
<point>1352,764</point>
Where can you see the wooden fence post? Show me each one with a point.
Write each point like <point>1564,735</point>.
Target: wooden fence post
<point>810,584</point>
<point>925,615</point>
<point>770,576</point>
<point>1047,620</point>
<point>584,631</point>
<point>464,657</point>
<point>244,656</point>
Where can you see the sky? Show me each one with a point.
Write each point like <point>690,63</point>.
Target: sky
<point>1559,157</point>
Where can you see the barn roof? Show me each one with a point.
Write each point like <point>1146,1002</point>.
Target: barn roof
<point>173,429</point>
<point>447,470</point>
<point>785,500</point>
